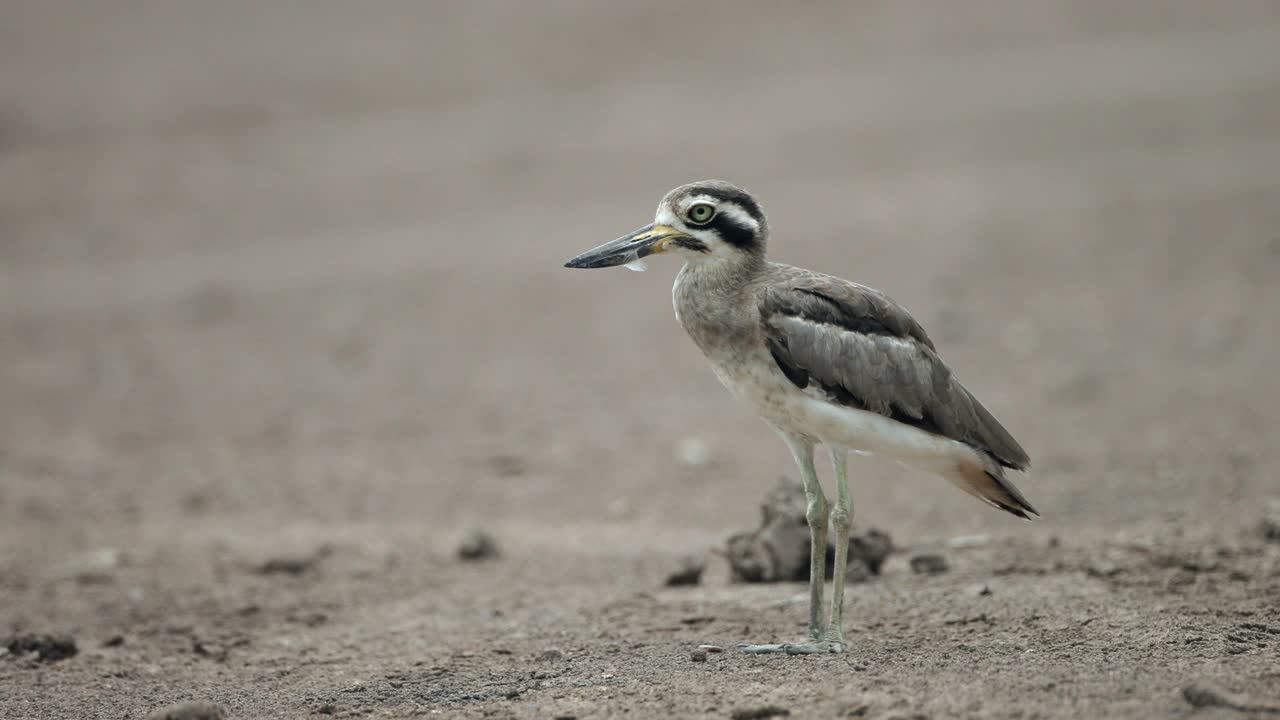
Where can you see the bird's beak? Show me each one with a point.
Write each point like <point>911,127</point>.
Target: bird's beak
<point>648,240</point>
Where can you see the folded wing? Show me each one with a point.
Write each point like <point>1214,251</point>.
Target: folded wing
<point>867,352</point>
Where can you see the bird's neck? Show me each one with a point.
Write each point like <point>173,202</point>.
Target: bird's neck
<point>713,301</point>
<point>722,276</point>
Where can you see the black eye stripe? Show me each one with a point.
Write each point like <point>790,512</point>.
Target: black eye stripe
<point>731,232</point>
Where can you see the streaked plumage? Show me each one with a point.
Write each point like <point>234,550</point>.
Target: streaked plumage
<point>823,361</point>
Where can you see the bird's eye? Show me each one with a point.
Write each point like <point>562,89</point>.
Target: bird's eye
<point>701,213</point>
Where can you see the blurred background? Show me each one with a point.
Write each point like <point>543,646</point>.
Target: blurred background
<point>276,275</point>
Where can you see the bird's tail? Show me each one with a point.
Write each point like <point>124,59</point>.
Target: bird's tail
<point>986,481</point>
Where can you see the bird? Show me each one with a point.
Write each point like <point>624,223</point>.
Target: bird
<point>824,362</point>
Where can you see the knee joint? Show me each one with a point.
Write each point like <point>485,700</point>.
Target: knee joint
<point>817,513</point>
<point>840,518</point>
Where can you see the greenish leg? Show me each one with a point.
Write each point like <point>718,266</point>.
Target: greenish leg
<point>816,514</point>
<point>841,519</point>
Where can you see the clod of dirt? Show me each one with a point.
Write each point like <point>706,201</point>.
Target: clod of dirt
<point>872,548</point>
<point>978,590</point>
<point>929,564</point>
<point>327,709</point>
<point>293,564</point>
<point>1200,695</point>
<point>48,648</point>
<point>698,656</point>
<point>779,550</point>
<point>113,641</point>
<point>552,654</point>
<point>689,572</point>
<point>1270,525</point>
<point>195,710</point>
<point>213,651</point>
<point>760,713</point>
<point>477,545</point>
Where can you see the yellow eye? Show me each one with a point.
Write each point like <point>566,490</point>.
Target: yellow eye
<point>701,214</point>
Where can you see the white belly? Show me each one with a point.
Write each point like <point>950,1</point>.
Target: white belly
<point>812,414</point>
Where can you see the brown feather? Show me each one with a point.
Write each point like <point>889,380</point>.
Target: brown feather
<point>870,353</point>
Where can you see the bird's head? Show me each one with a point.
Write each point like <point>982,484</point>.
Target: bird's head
<point>708,221</point>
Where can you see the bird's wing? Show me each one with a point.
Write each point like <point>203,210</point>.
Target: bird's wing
<point>867,352</point>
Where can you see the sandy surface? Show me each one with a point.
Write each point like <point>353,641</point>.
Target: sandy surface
<point>283,283</point>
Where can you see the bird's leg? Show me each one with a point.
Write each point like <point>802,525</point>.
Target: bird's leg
<point>816,515</point>
<point>841,518</point>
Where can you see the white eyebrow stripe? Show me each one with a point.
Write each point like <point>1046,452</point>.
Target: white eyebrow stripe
<point>739,216</point>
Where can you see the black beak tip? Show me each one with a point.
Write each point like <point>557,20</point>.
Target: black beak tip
<point>574,263</point>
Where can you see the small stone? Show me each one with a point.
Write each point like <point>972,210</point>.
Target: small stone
<point>552,654</point>
<point>295,565</point>
<point>693,453</point>
<point>1270,525</point>
<point>213,651</point>
<point>327,709</point>
<point>113,641</point>
<point>760,713</point>
<point>689,572</point>
<point>1202,695</point>
<point>1102,569</point>
<point>198,710</point>
<point>711,648</point>
<point>477,545</point>
<point>978,590</point>
<point>698,656</point>
<point>929,564</point>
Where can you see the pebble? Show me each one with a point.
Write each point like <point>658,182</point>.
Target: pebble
<point>698,656</point>
<point>551,654</point>
<point>688,572</point>
<point>1201,695</point>
<point>711,648</point>
<point>477,545</point>
<point>1270,525</point>
<point>929,564</point>
<point>760,713</point>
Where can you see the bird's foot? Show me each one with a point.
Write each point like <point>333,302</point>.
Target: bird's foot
<point>808,647</point>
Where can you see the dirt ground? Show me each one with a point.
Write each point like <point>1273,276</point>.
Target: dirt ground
<point>282,316</point>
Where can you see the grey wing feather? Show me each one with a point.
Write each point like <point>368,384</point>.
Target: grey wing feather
<point>868,352</point>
